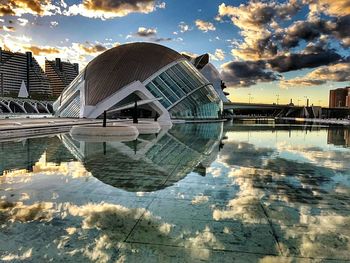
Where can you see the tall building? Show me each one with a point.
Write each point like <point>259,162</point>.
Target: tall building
<point>18,67</point>
<point>60,74</point>
<point>339,98</point>
<point>175,88</point>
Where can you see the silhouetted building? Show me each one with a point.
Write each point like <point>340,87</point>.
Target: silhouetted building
<point>339,98</point>
<point>18,67</point>
<point>60,74</point>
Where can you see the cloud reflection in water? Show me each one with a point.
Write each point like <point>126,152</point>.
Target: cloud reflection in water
<point>270,192</point>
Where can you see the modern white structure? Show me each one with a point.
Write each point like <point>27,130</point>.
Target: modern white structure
<point>139,72</point>
<point>27,106</point>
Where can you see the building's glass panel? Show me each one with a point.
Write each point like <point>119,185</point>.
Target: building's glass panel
<point>184,77</point>
<point>187,94</point>
<point>67,97</point>
<point>194,74</point>
<point>178,81</point>
<point>73,108</point>
<point>156,93</point>
<point>172,85</point>
<point>202,104</point>
<point>72,88</point>
<point>165,90</point>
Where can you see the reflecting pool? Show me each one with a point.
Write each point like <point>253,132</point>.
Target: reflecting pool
<point>197,192</point>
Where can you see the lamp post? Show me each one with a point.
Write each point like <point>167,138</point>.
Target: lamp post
<point>278,98</point>
<point>249,97</point>
<point>135,114</point>
<point>104,119</point>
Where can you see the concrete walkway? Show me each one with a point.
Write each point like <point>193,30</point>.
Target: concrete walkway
<point>13,128</point>
<point>28,127</point>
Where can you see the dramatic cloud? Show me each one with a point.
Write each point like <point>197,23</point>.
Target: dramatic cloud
<point>245,74</point>
<point>11,7</point>
<point>219,55</point>
<point>330,7</point>
<point>315,29</point>
<point>35,7</point>
<point>297,61</point>
<point>204,26</point>
<point>150,34</point>
<point>106,9</point>
<point>92,49</point>
<point>257,22</point>
<point>257,14</point>
<point>283,49</point>
<point>341,29</point>
<point>257,46</point>
<point>303,30</point>
<point>80,53</point>
<point>337,72</point>
<point>42,50</point>
<point>146,32</point>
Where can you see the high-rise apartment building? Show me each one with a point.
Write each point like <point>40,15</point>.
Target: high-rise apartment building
<point>339,98</point>
<point>18,67</point>
<point>60,74</point>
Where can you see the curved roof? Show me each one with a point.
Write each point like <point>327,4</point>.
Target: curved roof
<point>122,65</point>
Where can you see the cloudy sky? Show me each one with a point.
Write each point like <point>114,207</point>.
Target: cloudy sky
<point>264,49</point>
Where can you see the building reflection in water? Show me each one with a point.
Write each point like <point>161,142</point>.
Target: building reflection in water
<point>152,162</point>
<point>22,154</point>
<point>163,158</point>
<point>339,136</point>
<point>270,192</point>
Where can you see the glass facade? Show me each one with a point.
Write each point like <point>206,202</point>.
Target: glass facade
<point>72,109</point>
<point>186,93</point>
<point>201,104</point>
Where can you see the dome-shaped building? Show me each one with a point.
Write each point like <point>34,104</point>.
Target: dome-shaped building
<point>140,72</point>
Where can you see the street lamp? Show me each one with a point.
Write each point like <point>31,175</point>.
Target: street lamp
<point>278,98</point>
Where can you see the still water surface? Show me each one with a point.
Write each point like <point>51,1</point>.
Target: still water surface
<point>203,192</point>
